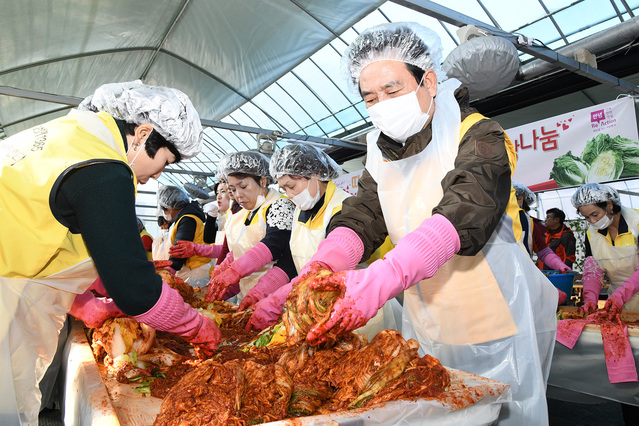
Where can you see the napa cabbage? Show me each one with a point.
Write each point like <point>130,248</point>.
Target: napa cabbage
<point>569,170</point>
<point>606,166</point>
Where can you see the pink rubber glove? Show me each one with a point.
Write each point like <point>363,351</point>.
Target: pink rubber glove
<point>341,250</point>
<point>622,295</point>
<point>417,256</point>
<point>267,284</point>
<point>94,310</point>
<point>562,297</point>
<point>172,314</point>
<point>98,287</point>
<point>226,263</point>
<point>269,310</point>
<point>185,249</point>
<point>549,257</point>
<point>591,280</point>
<point>248,263</point>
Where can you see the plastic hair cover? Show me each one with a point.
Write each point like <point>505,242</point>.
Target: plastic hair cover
<point>172,197</point>
<point>593,193</point>
<point>407,42</point>
<point>304,160</point>
<point>521,189</point>
<point>248,162</point>
<point>169,111</point>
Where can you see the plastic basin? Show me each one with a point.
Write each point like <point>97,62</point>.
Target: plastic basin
<point>563,282</point>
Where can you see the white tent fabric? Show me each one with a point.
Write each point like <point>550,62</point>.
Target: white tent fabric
<point>221,53</point>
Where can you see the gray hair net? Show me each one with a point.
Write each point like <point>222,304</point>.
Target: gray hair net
<point>172,197</point>
<point>407,42</point>
<point>593,193</point>
<point>303,160</point>
<point>169,111</point>
<point>248,162</point>
<point>521,189</point>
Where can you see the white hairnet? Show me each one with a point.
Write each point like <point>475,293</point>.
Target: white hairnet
<point>172,197</point>
<point>249,162</point>
<point>169,111</point>
<point>407,42</point>
<point>303,160</point>
<point>593,193</point>
<point>522,190</point>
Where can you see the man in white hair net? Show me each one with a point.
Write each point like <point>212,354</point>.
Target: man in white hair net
<point>67,209</point>
<point>438,182</point>
<point>610,248</point>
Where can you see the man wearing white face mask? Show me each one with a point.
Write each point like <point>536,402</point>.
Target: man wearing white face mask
<point>68,214</point>
<point>305,173</point>
<point>610,248</point>
<point>438,182</point>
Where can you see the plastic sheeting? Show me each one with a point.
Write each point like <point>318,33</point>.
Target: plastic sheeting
<point>220,53</point>
<point>580,374</point>
<point>483,64</point>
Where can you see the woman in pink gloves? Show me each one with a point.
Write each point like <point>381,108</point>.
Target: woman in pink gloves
<point>58,233</point>
<point>611,248</point>
<point>438,182</point>
<point>305,173</point>
<point>533,237</point>
<point>257,236</point>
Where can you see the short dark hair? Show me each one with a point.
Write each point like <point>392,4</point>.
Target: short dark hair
<point>162,221</point>
<point>154,142</point>
<point>246,175</point>
<point>559,214</point>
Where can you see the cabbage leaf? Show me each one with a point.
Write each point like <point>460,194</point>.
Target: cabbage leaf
<point>607,166</point>
<point>569,170</point>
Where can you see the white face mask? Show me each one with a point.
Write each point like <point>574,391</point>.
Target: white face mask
<point>304,200</point>
<point>602,223</point>
<point>400,117</point>
<point>167,216</point>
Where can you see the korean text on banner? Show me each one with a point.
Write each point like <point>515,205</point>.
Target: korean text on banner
<point>594,144</point>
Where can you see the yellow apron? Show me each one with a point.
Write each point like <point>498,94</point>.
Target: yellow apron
<point>492,314</point>
<point>619,261</point>
<point>37,290</point>
<point>196,268</point>
<point>149,254</point>
<point>241,238</point>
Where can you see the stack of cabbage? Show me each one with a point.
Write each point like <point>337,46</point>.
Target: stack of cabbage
<point>605,158</point>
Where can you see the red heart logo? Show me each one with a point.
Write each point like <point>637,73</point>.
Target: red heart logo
<point>558,124</point>
<point>570,119</point>
<point>565,126</point>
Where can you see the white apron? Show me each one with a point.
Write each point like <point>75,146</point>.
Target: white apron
<point>160,246</point>
<point>241,238</point>
<point>31,315</point>
<point>221,226</point>
<point>196,277</point>
<point>618,262</point>
<point>491,324</point>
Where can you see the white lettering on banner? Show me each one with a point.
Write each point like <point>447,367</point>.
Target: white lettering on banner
<point>573,148</point>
